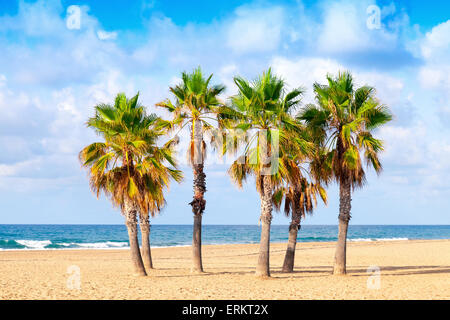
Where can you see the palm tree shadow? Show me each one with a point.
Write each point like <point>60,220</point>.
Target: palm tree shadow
<point>307,271</point>
<point>204,274</point>
<point>316,271</point>
<point>362,271</point>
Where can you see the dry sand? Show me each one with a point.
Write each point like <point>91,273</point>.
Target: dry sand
<point>409,270</point>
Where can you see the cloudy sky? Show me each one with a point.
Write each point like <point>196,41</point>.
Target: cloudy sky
<point>54,68</point>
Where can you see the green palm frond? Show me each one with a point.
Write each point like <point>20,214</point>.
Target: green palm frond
<point>263,110</point>
<point>129,164</point>
<point>196,99</point>
<point>343,121</point>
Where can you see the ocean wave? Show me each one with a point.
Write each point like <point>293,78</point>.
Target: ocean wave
<point>73,245</point>
<point>392,239</point>
<point>316,239</point>
<point>102,245</point>
<point>49,245</point>
<point>378,239</point>
<point>34,244</point>
<point>175,245</point>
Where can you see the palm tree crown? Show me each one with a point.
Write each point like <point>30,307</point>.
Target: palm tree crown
<point>195,101</point>
<point>263,111</point>
<point>346,118</point>
<point>129,164</point>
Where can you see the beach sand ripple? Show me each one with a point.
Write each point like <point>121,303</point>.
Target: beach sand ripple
<point>408,270</point>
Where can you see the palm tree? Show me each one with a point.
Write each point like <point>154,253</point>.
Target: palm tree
<point>346,119</point>
<point>155,164</point>
<point>262,110</point>
<point>196,102</point>
<point>299,194</point>
<point>300,197</point>
<point>128,166</point>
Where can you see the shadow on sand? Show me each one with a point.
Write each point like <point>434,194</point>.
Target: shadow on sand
<point>316,271</point>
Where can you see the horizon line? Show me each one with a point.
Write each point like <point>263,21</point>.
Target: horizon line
<point>210,224</point>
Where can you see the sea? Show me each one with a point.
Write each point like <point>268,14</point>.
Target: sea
<point>60,237</point>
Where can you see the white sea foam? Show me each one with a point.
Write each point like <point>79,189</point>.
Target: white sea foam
<point>34,244</point>
<point>102,245</point>
<point>378,239</point>
<point>41,245</point>
<point>392,239</point>
<point>171,246</point>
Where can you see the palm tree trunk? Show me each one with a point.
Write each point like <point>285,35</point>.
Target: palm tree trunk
<point>345,198</point>
<point>289,258</point>
<point>197,243</point>
<point>198,203</point>
<point>263,267</point>
<point>144,224</point>
<point>130,213</point>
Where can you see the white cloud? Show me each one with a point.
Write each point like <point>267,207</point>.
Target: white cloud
<point>415,157</point>
<point>344,29</point>
<point>425,162</point>
<point>53,98</point>
<point>436,44</point>
<point>225,76</point>
<point>433,76</point>
<point>389,89</point>
<point>6,170</point>
<point>255,29</point>
<point>306,71</point>
<point>303,72</point>
<point>435,73</point>
<point>175,81</point>
<point>388,10</point>
<point>2,80</point>
<point>35,19</point>
<point>398,149</point>
<point>435,48</point>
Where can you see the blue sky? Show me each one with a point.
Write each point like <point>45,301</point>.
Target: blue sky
<point>52,76</point>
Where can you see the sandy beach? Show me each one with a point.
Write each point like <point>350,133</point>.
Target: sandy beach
<point>408,270</point>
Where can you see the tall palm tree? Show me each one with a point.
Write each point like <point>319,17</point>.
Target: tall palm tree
<point>160,164</point>
<point>196,102</point>
<point>300,197</point>
<point>302,186</point>
<point>262,110</point>
<point>346,118</point>
<point>128,166</point>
